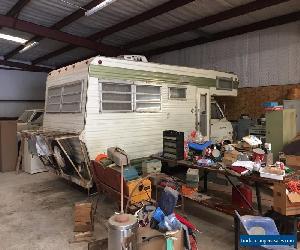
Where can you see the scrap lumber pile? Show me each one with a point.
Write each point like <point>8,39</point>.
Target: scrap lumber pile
<point>83,221</point>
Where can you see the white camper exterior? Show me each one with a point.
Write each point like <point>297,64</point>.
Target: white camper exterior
<point>114,102</point>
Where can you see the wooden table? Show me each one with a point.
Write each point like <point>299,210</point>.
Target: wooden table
<point>217,203</point>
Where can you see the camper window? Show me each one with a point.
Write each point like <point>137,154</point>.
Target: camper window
<point>71,98</point>
<point>215,112</point>
<point>148,98</point>
<point>116,97</point>
<point>224,83</point>
<point>177,93</point>
<point>54,99</point>
<point>126,97</point>
<point>65,98</point>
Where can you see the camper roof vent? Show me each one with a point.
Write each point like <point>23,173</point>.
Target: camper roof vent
<point>137,58</point>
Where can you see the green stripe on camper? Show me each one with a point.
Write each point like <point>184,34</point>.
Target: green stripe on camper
<point>114,73</point>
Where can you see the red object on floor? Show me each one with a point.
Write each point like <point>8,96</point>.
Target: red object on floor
<point>238,200</point>
<point>193,243</point>
<point>186,222</point>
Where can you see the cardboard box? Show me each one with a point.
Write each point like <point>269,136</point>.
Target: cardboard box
<point>8,145</point>
<point>293,161</point>
<point>293,94</point>
<point>157,243</point>
<point>284,202</point>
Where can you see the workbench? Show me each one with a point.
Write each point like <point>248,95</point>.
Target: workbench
<point>217,203</point>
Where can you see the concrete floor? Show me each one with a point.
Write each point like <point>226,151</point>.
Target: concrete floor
<point>36,212</point>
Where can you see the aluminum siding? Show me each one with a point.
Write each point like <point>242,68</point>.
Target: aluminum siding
<point>139,134</point>
<point>67,122</point>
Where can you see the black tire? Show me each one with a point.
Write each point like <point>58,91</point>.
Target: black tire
<point>61,160</point>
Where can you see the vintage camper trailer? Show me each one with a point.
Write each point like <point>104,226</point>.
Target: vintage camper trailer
<point>104,102</point>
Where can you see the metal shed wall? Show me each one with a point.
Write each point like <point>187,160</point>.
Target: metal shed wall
<point>266,57</point>
<point>21,90</point>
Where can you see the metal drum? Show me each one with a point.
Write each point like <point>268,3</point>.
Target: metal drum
<point>122,232</point>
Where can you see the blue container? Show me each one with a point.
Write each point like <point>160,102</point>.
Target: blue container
<point>270,104</point>
<point>199,147</point>
<point>130,174</point>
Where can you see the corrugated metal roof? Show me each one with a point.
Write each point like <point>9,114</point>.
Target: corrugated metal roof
<point>6,5</point>
<point>121,10</point>
<point>111,15</point>
<point>7,46</point>
<point>48,12</point>
<point>117,40</point>
<point>256,16</point>
<point>69,57</point>
<point>17,33</point>
<point>45,46</point>
<point>278,10</point>
<point>177,17</point>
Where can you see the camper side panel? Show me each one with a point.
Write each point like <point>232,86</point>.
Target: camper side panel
<point>139,134</point>
<point>67,121</point>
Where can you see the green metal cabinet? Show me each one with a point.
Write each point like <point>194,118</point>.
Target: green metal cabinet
<point>280,129</point>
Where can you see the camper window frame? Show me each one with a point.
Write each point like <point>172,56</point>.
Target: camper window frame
<point>150,110</point>
<point>62,86</point>
<point>133,93</point>
<point>48,98</point>
<point>218,87</point>
<point>116,82</point>
<point>177,98</point>
<point>81,94</point>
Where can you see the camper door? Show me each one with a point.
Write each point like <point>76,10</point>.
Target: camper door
<point>203,112</point>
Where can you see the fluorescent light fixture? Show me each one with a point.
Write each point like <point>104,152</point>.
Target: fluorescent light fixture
<point>13,38</point>
<point>100,6</point>
<point>29,46</point>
